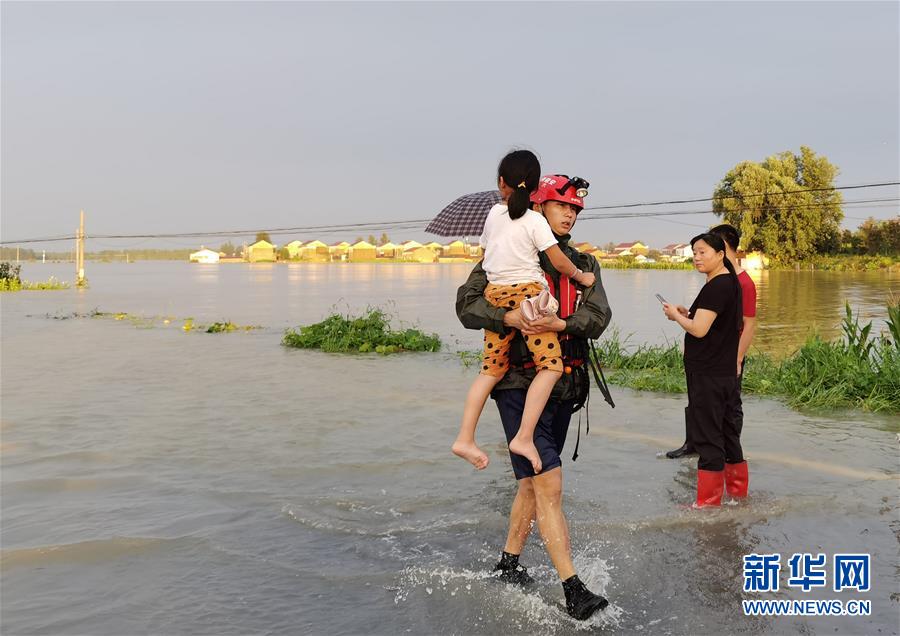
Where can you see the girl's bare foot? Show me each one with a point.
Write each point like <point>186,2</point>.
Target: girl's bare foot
<point>527,450</point>
<point>471,453</point>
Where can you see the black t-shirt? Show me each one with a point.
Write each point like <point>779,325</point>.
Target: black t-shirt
<point>716,352</point>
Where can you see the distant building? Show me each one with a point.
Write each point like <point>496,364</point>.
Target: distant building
<point>314,250</point>
<point>362,251</point>
<point>456,249</point>
<point>635,247</point>
<point>676,251</point>
<point>388,250</point>
<point>408,245</point>
<point>294,249</point>
<point>420,254</point>
<point>434,245</point>
<point>204,255</point>
<point>669,250</point>
<point>261,252</point>
<point>339,250</point>
<point>584,247</point>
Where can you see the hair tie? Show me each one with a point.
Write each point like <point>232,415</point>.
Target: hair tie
<point>522,185</point>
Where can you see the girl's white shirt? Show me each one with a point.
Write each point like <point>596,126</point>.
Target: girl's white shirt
<point>511,247</point>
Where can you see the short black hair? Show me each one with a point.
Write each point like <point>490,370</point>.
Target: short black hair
<point>729,234</point>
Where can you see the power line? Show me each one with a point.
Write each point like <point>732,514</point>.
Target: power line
<point>741,196</point>
<point>414,224</point>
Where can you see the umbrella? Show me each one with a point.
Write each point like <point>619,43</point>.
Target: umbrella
<point>465,216</point>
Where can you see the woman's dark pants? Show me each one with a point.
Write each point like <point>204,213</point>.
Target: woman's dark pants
<point>715,419</point>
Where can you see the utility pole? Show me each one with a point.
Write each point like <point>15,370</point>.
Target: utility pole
<point>79,254</point>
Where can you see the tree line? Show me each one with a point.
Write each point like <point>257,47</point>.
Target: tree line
<point>786,207</point>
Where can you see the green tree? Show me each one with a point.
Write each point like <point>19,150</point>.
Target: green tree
<point>283,254</point>
<point>879,237</point>
<point>263,236</point>
<point>384,239</point>
<point>227,248</point>
<point>784,206</point>
<point>371,239</point>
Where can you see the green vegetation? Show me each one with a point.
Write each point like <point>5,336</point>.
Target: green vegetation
<point>787,207</point>
<point>25,285</point>
<point>363,334</point>
<point>843,263</point>
<point>798,214</point>
<point>226,327</point>
<point>149,322</point>
<point>860,370</point>
<point>873,237</point>
<point>10,280</point>
<point>628,263</point>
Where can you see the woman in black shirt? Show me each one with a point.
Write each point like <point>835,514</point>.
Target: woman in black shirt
<point>712,326</point>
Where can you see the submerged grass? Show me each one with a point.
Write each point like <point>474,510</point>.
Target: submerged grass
<point>859,370</point>
<point>15,284</point>
<point>369,333</point>
<point>149,322</point>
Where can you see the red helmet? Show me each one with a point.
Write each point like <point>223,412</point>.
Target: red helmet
<point>559,187</point>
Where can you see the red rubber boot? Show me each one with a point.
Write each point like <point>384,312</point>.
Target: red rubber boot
<point>710,486</point>
<point>737,479</point>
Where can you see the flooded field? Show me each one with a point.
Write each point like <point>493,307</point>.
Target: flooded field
<point>158,482</point>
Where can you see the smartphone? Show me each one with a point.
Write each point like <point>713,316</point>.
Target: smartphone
<point>661,299</point>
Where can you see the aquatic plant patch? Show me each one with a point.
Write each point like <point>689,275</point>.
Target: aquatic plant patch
<point>369,333</point>
<point>16,284</point>
<point>149,322</point>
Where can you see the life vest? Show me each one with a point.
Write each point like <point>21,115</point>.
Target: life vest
<point>576,359</point>
<point>568,297</point>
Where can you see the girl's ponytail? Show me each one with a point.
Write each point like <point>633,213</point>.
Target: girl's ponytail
<point>519,201</point>
<point>521,171</point>
<point>738,296</point>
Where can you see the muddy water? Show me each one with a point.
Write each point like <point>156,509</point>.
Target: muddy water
<point>157,481</point>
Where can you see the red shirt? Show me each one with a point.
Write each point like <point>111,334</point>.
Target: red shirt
<point>748,292</point>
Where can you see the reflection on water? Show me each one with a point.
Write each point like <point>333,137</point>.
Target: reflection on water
<point>790,304</point>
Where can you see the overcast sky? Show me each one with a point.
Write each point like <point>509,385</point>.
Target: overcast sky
<point>168,117</point>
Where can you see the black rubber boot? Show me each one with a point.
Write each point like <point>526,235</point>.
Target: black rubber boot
<point>511,571</point>
<point>684,451</point>
<point>581,603</point>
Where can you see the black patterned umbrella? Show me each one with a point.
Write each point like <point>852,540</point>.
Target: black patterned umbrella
<point>465,216</point>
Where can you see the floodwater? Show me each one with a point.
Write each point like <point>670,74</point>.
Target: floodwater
<point>156,481</point>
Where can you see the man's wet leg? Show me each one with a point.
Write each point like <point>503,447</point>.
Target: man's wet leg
<point>581,603</point>
<point>521,521</point>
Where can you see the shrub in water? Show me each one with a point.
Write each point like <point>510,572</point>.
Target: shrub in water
<point>364,334</point>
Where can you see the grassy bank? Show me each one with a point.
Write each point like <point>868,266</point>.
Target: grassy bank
<point>859,370</point>
<point>619,263</point>
<point>369,333</point>
<point>842,263</point>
